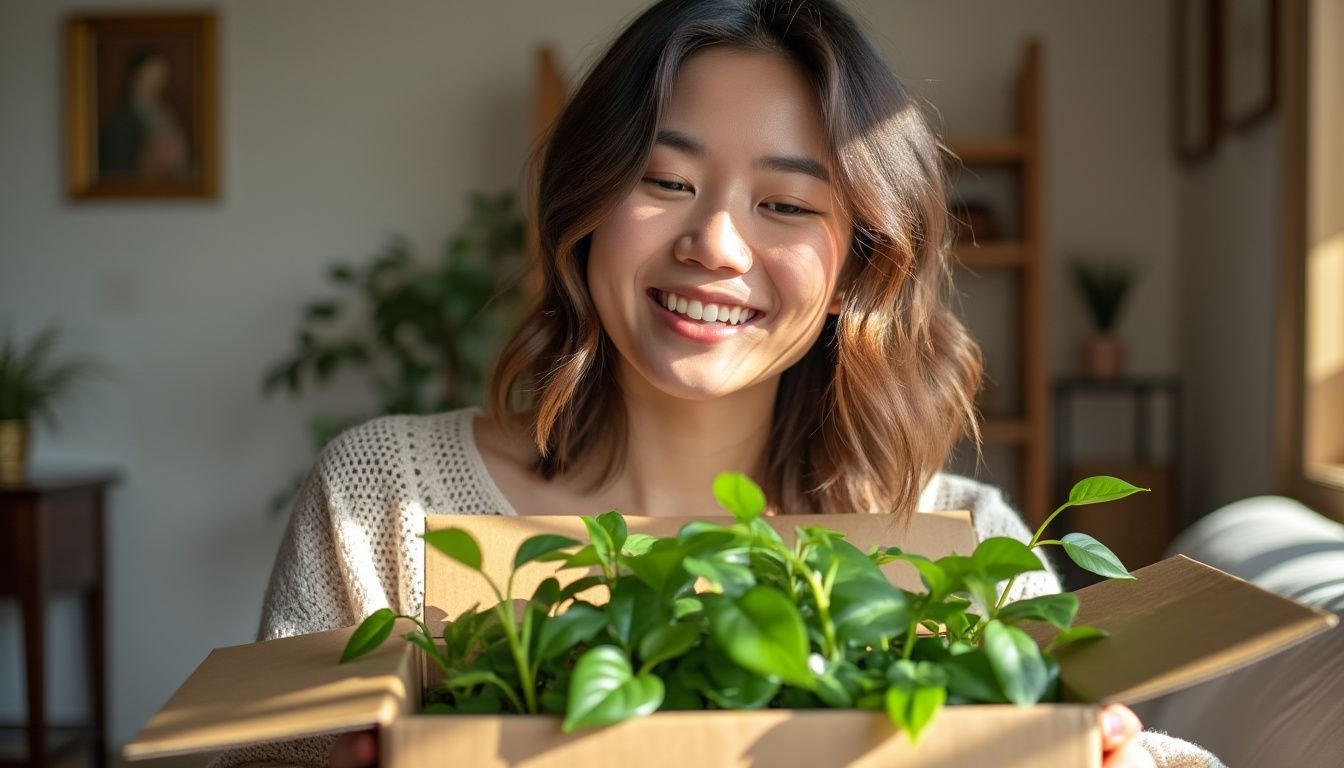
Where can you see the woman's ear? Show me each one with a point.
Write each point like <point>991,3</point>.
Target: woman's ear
<point>836,301</point>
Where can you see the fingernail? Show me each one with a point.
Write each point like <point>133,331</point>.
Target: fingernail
<point>1115,726</point>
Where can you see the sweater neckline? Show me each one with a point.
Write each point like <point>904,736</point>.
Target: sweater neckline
<point>468,427</point>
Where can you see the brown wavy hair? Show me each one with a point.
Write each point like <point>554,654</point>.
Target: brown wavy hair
<point>871,412</point>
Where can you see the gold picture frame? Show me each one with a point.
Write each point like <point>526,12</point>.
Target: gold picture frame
<point>142,106</point>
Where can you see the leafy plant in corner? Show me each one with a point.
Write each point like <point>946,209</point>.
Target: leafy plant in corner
<point>32,382</point>
<point>421,334</point>
<point>811,624</point>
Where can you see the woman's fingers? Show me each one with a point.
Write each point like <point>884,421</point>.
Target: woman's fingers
<point>1119,726</point>
<point>354,750</point>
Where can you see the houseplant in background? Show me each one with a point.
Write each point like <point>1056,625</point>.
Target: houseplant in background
<point>1104,285</point>
<point>420,333</point>
<point>33,380</point>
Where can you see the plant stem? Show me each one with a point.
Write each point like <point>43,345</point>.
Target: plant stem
<point>910,634</point>
<point>505,610</point>
<point>823,599</point>
<point>1035,542</point>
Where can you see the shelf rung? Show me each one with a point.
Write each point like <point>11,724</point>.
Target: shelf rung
<point>1005,431</point>
<point>990,151</point>
<point>992,255</point>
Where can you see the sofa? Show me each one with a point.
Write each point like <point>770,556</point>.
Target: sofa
<point>1289,708</point>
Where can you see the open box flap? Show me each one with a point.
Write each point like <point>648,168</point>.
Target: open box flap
<point>1181,623</point>
<point>451,588</point>
<point>280,690</point>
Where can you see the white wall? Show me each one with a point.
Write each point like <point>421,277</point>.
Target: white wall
<point>1229,238</point>
<point>344,121</point>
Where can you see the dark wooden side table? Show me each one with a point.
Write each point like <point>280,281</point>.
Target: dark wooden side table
<point>51,541</point>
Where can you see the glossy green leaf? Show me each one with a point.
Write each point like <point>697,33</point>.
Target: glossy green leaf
<point>667,642</point>
<point>762,631</point>
<point>866,610</point>
<point>457,544</point>
<point>547,592</point>
<point>971,676</point>
<point>934,577</point>
<point>1101,488</point>
<point>741,497</point>
<point>732,687</point>
<point>1093,556</point>
<point>912,709</point>
<point>577,586</point>
<point>605,690</point>
<point>732,578</point>
<point>539,545</point>
<point>578,624</point>
<point>370,634</point>
<point>586,557</point>
<point>637,544</point>
<point>614,523</point>
<point>1000,557</point>
<point>1057,610</point>
<point>603,546</point>
<point>1017,663</point>
<point>633,610</point>
<point>660,567</point>
<point>1077,635</point>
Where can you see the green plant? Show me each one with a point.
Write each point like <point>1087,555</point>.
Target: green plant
<point>422,334</point>
<point>1104,287</point>
<point>33,381</point>
<point>813,624</point>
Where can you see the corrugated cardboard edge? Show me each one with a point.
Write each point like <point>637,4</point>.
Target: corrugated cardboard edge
<point>1058,736</point>
<point>1180,623</point>
<point>280,690</point>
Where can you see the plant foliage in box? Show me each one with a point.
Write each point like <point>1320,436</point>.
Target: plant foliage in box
<point>808,625</point>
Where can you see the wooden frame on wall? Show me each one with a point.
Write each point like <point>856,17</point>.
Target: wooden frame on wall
<point>1294,473</point>
<point>141,106</point>
<point>1248,44</point>
<point>1195,61</point>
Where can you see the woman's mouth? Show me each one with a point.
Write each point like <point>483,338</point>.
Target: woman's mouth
<point>703,312</point>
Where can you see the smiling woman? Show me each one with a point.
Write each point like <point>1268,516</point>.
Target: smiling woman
<point>759,158</point>
<point>744,266</point>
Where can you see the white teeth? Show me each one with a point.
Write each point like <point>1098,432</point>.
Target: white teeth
<point>705,313</point>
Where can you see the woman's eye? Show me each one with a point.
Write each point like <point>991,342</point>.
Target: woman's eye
<point>668,184</point>
<point>786,209</point>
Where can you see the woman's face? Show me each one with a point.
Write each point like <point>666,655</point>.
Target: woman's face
<point>717,270</point>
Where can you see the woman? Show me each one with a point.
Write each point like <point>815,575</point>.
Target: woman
<point>745,265</point>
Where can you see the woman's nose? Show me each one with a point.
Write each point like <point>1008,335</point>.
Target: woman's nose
<point>717,244</point>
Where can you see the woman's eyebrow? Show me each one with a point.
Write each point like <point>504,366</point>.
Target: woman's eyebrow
<point>785,163</point>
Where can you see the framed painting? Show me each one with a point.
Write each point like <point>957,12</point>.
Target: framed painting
<point>1249,42</point>
<point>141,106</point>
<point>1195,60</point>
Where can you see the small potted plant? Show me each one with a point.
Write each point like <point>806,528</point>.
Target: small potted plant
<point>32,382</point>
<point>1104,286</point>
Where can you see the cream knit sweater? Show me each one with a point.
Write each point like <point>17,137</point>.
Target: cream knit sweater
<point>351,546</point>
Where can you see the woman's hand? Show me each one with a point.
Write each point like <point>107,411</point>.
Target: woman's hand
<point>1119,749</point>
<point>358,749</point>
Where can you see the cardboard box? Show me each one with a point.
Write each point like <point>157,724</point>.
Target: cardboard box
<point>1180,623</point>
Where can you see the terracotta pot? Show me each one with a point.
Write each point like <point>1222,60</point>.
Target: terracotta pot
<point>1103,357</point>
<point>14,436</point>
